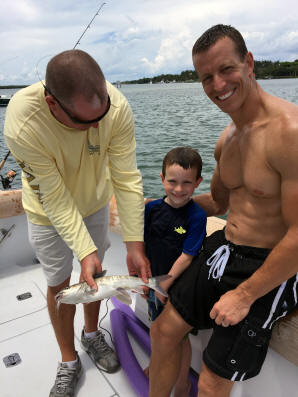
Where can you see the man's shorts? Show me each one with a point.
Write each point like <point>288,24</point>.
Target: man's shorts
<point>155,307</point>
<point>235,352</point>
<point>55,256</point>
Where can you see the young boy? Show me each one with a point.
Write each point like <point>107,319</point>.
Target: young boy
<point>175,227</point>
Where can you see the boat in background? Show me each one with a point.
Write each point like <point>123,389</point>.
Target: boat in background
<point>4,100</point>
<point>29,351</point>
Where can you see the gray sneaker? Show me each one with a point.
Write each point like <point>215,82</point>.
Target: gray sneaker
<point>66,380</point>
<point>100,352</point>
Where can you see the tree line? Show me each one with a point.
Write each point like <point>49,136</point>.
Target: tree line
<point>263,70</point>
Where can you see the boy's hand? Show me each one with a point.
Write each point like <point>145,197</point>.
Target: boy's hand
<point>165,285</point>
<point>162,298</point>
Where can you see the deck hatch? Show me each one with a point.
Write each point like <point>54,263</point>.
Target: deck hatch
<point>12,360</point>
<point>25,295</point>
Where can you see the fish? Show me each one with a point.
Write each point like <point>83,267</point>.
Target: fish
<point>108,286</point>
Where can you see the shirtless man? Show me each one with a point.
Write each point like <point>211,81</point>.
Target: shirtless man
<point>246,275</point>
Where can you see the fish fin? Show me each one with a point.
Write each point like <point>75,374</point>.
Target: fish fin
<point>154,283</point>
<point>91,291</point>
<point>124,299</point>
<point>123,296</point>
<point>84,287</point>
<point>100,274</point>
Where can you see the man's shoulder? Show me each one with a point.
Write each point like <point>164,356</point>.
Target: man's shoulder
<point>116,96</point>
<point>24,105</point>
<point>228,131</point>
<point>25,96</point>
<point>283,122</point>
<point>283,111</point>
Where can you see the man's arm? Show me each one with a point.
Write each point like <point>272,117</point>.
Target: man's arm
<point>50,194</point>
<point>137,262</point>
<point>55,200</point>
<point>217,201</point>
<point>90,265</point>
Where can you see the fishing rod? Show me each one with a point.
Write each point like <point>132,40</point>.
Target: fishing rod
<point>9,177</point>
<point>4,160</point>
<point>78,42</point>
<point>89,24</point>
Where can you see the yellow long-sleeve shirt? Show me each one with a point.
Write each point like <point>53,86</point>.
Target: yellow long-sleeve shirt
<point>68,174</point>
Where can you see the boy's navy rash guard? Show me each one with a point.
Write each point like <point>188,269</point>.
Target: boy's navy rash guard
<point>170,231</point>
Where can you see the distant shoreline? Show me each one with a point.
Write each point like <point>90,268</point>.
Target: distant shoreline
<point>141,81</point>
<point>263,70</point>
<point>12,86</point>
<point>119,83</point>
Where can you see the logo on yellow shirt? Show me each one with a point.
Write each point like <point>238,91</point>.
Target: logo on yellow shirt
<point>28,172</point>
<point>179,230</point>
<point>93,148</point>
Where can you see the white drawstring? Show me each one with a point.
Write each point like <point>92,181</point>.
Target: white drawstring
<point>218,261</point>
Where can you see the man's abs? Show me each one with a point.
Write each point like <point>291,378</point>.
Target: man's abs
<point>254,221</point>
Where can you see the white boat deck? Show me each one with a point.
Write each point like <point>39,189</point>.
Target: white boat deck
<point>25,329</point>
<point>25,326</point>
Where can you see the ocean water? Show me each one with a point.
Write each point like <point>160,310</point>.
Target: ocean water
<point>169,115</point>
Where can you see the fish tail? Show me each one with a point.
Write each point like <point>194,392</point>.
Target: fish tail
<point>154,283</point>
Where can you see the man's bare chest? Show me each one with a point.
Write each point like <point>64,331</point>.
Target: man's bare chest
<point>244,164</point>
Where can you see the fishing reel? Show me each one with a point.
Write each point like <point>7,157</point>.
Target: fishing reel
<point>8,179</point>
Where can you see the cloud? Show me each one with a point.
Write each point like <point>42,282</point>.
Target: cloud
<point>136,38</point>
<point>171,54</point>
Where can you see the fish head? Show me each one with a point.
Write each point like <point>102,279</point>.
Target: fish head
<point>64,295</point>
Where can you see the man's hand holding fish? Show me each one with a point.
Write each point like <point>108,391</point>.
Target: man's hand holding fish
<point>90,265</point>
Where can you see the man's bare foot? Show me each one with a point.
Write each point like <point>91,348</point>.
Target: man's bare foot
<point>182,391</point>
<point>146,371</point>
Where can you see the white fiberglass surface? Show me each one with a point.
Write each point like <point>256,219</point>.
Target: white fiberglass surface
<point>25,329</point>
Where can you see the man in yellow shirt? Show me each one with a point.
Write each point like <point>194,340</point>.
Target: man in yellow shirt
<point>73,137</point>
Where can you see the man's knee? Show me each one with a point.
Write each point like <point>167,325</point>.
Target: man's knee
<point>157,330</point>
<point>213,385</point>
<point>54,289</point>
<point>169,328</point>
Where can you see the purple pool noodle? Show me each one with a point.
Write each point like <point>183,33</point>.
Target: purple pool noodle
<point>124,319</point>
<point>120,324</point>
<point>123,307</point>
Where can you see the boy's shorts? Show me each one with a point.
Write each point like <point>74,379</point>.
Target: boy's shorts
<point>54,254</point>
<point>235,352</point>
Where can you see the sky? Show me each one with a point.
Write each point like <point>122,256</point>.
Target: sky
<point>131,39</point>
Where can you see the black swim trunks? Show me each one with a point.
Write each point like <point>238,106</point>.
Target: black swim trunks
<point>235,352</point>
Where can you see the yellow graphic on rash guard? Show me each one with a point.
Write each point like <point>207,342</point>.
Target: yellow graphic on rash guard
<point>30,178</point>
<point>93,148</point>
<point>179,230</point>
